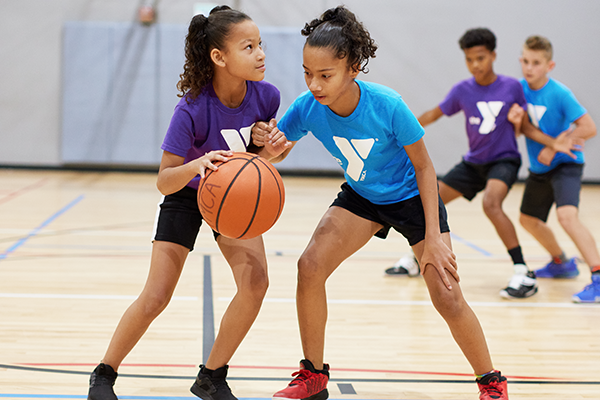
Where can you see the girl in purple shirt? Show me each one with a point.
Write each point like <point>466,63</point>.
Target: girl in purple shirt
<point>222,98</point>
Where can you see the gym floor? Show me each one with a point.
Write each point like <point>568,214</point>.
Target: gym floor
<point>75,250</point>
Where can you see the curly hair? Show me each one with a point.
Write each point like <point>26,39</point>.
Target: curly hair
<point>339,30</point>
<point>204,35</point>
<point>478,37</point>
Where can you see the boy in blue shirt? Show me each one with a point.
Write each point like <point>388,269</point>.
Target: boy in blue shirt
<point>556,177</point>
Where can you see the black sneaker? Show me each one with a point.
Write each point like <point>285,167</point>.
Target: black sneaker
<point>211,385</point>
<point>102,381</point>
<point>523,284</point>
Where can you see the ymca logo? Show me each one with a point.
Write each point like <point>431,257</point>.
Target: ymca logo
<point>237,141</point>
<point>489,111</point>
<point>355,151</point>
<point>536,113</point>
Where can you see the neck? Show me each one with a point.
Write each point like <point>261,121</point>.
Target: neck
<point>538,85</point>
<point>488,79</point>
<point>347,103</point>
<point>231,92</point>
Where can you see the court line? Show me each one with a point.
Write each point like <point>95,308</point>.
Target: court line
<point>286,379</point>
<point>35,231</point>
<point>83,296</point>
<point>469,244</point>
<point>18,192</point>
<point>506,304</point>
<point>208,319</point>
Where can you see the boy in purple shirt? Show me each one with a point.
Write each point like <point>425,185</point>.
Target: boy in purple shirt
<point>493,160</point>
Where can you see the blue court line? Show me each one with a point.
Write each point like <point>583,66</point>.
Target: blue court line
<point>34,232</point>
<point>208,317</point>
<point>471,245</point>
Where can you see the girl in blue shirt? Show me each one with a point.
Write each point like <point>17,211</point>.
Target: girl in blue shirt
<point>390,183</point>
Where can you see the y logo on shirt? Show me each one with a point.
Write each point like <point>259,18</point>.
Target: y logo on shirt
<point>237,141</point>
<point>489,111</point>
<point>536,113</point>
<point>355,151</point>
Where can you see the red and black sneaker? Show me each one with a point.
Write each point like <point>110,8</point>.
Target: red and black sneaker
<point>308,384</point>
<point>493,387</point>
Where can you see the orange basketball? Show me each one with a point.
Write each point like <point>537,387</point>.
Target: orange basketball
<point>243,198</point>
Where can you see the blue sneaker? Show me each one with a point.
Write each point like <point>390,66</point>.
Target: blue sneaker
<point>591,293</point>
<point>563,270</point>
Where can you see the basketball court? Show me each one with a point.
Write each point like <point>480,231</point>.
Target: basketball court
<point>75,250</point>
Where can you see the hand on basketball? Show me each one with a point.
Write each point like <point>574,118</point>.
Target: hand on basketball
<point>439,256</point>
<point>206,161</point>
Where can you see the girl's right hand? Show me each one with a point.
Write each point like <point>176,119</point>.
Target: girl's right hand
<point>206,161</point>
<point>261,130</point>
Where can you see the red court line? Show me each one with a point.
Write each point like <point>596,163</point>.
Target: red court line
<point>381,371</point>
<point>25,189</point>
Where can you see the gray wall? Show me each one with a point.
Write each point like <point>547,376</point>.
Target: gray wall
<point>418,56</point>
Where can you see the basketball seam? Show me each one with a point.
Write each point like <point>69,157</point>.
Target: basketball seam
<point>218,217</point>
<point>278,187</point>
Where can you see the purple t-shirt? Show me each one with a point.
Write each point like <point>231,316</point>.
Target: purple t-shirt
<point>491,135</point>
<point>205,124</point>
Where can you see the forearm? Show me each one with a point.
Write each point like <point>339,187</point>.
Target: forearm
<point>173,179</point>
<point>428,190</point>
<point>430,116</point>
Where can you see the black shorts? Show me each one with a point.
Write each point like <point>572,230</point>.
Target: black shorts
<point>470,179</point>
<point>560,185</point>
<point>406,217</point>
<point>179,219</point>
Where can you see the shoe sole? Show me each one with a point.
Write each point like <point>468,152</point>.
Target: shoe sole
<point>201,393</point>
<point>557,276</point>
<point>506,295</point>
<point>322,395</point>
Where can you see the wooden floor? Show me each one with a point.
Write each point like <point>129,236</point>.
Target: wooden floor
<point>74,253</point>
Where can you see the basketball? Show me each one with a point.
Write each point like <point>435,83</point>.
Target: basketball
<point>243,198</point>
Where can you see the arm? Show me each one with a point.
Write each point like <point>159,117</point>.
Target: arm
<point>564,143</point>
<point>173,174</point>
<point>585,129</point>
<point>430,116</point>
<point>436,253</point>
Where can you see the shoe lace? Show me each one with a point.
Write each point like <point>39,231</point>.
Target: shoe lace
<point>492,389</point>
<point>300,377</point>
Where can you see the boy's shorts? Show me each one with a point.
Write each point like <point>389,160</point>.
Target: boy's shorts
<point>406,217</point>
<point>560,185</point>
<point>179,219</point>
<point>470,179</point>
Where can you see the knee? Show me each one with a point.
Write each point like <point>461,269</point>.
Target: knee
<point>309,271</point>
<point>256,287</point>
<point>491,206</point>
<point>448,304</point>
<point>566,218</point>
<point>528,222</point>
<point>153,304</point>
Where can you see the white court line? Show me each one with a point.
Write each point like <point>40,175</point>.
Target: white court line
<point>81,296</point>
<point>507,304</point>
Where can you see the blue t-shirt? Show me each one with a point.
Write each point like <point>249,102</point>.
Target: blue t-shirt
<point>491,135</point>
<point>368,144</point>
<point>206,124</point>
<point>552,109</point>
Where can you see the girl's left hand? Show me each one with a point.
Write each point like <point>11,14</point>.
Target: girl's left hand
<point>439,256</point>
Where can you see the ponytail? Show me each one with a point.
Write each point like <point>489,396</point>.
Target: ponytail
<point>205,34</point>
<point>339,30</point>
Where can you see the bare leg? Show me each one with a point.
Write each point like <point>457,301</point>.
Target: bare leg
<point>447,193</point>
<point>542,233</point>
<point>249,266</point>
<point>568,216</point>
<point>165,269</point>
<point>338,235</point>
<point>494,194</point>
<point>461,319</point>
